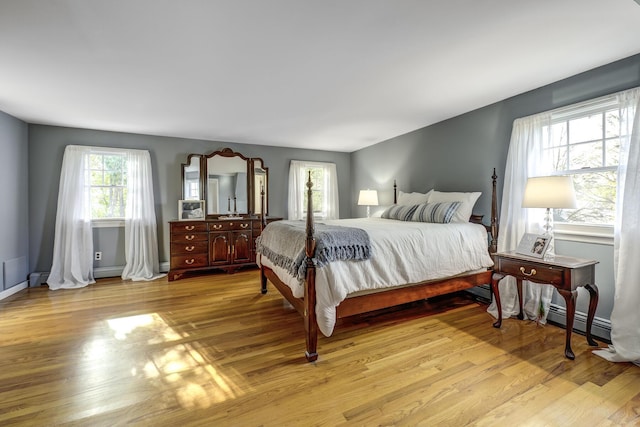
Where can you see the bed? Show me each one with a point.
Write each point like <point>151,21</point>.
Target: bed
<point>409,255</point>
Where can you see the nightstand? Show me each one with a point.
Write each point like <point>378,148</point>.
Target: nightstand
<point>566,274</point>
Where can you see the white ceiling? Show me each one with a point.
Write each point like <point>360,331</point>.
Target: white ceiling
<point>327,74</point>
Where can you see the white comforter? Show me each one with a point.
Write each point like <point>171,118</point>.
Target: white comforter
<point>402,253</point>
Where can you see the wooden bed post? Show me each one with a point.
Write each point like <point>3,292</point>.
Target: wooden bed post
<point>395,193</point>
<point>310,323</point>
<point>263,224</point>
<point>493,246</point>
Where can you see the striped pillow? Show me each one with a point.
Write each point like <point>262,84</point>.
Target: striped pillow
<point>401,212</point>
<point>441,213</point>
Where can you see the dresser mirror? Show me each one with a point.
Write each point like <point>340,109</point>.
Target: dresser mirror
<point>228,182</point>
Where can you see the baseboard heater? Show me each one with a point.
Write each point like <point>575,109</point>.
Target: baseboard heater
<point>601,328</point>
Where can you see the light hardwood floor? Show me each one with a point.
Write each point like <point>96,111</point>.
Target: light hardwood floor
<point>213,351</point>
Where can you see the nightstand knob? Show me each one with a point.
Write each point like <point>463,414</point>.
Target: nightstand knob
<point>532,273</point>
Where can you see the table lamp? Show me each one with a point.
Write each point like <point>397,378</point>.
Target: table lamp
<point>549,192</point>
<point>368,198</point>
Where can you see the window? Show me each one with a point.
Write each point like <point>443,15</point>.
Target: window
<point>324,191</point>
<point>318,193</point>
<point>107,175</point>
<point>584,142</point>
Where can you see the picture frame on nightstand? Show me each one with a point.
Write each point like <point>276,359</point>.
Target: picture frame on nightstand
<point>533,245</point>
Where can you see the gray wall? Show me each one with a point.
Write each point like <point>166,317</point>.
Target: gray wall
<point>459,154</point>
<point>46,148</point>
<point>14,224</point>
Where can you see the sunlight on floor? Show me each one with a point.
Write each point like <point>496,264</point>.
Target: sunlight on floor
<point>195,381</point>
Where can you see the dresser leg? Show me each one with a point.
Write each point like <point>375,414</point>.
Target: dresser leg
<point>495,278</point>
<point>593,303</point>
<point>570,300</point>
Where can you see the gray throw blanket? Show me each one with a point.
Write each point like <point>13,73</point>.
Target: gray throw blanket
<point>283,242</point>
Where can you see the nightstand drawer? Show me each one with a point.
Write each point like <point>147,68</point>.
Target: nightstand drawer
<point>531,271</point>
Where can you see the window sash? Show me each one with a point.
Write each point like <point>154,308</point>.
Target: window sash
<point>113,215</point>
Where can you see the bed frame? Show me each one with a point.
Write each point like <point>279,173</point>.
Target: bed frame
<point>374,301</point>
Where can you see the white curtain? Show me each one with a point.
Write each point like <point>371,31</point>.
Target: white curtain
<point>140,230</point>
<point>625,317</point>
<point>524,160</point>
<point>298,188</point>
<point>72,265</point>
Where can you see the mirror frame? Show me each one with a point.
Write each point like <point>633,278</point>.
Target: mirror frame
<point>256,192</point>
<point>184,167</point>
<point>253,199</point>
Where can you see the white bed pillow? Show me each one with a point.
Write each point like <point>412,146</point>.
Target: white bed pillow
<point>413,198</point>
<point>468,201</point>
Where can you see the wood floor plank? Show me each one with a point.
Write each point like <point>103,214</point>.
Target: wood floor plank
<point>212,350</point>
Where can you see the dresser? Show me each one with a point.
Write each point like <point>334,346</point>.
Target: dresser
<point>226,244</point>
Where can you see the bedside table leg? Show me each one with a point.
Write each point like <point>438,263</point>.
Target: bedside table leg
<point>519,286</point>
<point>570,300</point>
<point>593,303</point>
<point>495,278</point>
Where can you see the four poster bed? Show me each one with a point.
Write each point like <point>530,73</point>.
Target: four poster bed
<point>412,253</point>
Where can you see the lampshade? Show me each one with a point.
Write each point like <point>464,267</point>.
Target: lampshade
<point>554,192</point>
<point>368,198</point>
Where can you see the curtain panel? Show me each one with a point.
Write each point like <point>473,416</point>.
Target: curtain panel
<point>140,229</point>
<point>625,316</point>
<point>72,265</point>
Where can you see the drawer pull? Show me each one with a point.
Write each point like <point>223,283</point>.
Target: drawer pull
<point>532,273</point>
<point>244,225</point>
<point>189,261</point>
<point>217,226</point>
<point>189,248</point>
<point>189,227</point>
<point>190,237</point>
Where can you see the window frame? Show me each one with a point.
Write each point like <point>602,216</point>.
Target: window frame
<point>323,213</point>
<point>585,232</point>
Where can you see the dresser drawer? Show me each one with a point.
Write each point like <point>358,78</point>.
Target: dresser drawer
<point>226,225</point>
<point>188,227</point>
<point>183,238</point>
<point>193,247</point>
<point>531,271</point>
<point>189,261</point>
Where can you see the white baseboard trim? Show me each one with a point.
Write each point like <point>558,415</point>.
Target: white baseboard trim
<point>40,278</point>
<point>12,290</point>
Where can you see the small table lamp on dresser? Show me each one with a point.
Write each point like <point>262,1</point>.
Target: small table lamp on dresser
<point>549,192</point>
<point>368,198</point>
